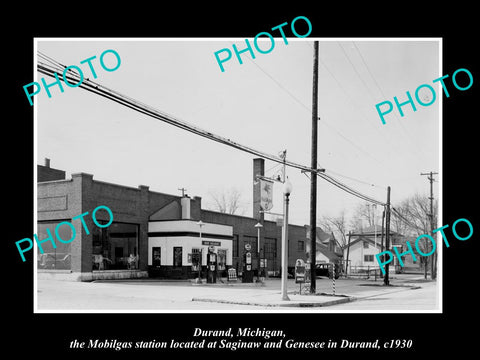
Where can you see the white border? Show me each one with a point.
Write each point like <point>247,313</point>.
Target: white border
<point>321,310</point>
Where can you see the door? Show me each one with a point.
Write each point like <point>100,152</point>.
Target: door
<point>177,256</point>
<point>156,256</point>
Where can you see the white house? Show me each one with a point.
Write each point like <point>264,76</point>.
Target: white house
<point>362,247</point>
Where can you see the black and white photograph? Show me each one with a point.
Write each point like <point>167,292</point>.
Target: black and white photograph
<point>242,183</point>
<point>195,161</point>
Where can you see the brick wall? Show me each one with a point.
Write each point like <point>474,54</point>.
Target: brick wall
<point>45,173</point>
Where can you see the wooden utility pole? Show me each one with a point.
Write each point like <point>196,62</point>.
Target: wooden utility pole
<point>313,177</point>
<point>433,259</point>
<point>386,280</point>
<point>348,252</point>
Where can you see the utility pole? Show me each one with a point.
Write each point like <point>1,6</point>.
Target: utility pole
<point>313,177</point>
<point>348,252</point>
<point>383,232</point>
<point>434,257</point>
<point>387,236</point>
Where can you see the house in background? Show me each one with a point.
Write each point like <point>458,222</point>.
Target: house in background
<point>328,250</point>
<point>363,245</point>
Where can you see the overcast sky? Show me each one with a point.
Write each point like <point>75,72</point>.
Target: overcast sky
<point>264,103</point>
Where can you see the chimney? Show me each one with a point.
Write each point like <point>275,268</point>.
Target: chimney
<point>258,169</point>
<point>47,162</point>
<point>185,202</point>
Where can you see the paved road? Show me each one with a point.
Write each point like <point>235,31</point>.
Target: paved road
<point>148,295</point>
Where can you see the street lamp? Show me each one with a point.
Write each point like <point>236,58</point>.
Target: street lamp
<point>287,190</point>
<point>258,226</point>
<point>199,279</point>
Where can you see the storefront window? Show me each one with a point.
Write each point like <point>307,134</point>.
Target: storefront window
<point>115,247</point>
<point>58,258</point>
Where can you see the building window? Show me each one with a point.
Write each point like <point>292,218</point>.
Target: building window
<point>368,258</point>
<point>58,258</point>
<point>301,245</point>
<point>115,247</point>
<point>235,246</point>
<point>365,244</point>
<point>222,259</point>
<point>177,256</point>
<point>270,253</point>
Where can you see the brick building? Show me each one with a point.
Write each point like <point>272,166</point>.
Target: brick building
<point>152,233</point>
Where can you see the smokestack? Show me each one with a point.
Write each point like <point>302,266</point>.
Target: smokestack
<point>47,162</point>
<point>258,169</point>
<point>185,202</point>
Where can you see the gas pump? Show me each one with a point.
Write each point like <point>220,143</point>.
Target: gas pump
<point>211,266</point>
<point>247,276</point>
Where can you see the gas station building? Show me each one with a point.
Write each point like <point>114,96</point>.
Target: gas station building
<point>153,234</point>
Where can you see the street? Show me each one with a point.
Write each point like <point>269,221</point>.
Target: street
<point>409,292</point>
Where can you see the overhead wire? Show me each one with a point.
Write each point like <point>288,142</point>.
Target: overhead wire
<point>145,109</point>
<point>397,213</point>
<point>309,110</point>
<point>383,95</point>
<point>357,180</point>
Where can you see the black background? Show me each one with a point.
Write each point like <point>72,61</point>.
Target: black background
<point>49,335</point>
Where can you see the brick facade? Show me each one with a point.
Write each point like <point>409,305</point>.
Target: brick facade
<point>62,200</point>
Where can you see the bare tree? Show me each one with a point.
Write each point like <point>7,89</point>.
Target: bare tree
<point>364,213</point>
<point>414,213</point>
<point>228,202</point>
<point>335,224</point>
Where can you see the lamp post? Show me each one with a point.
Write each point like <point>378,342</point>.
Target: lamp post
<point>287,190</point>
<point>199,280</point>
<point>258,226</point>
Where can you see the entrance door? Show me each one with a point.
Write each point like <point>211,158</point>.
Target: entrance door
<point>156,256</point>
<point>177,256</point>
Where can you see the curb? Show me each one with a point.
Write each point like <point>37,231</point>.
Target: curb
<point>283,304</point>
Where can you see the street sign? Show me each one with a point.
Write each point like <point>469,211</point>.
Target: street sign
<point>299,271</point>
<point>211,243</point>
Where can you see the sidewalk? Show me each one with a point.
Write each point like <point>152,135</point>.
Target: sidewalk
<point>273,298</point>
<point>250,295</point>
<point>221,293</point>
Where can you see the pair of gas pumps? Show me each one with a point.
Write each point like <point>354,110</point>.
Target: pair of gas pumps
<point>211,265</point>
<point>247,276</point>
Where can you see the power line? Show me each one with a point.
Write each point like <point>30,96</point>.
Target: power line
<point>309,111</point>
<point>396,212</point>
<point>281,86</point>
<point>355,69</point>
<point>381,92</point>
<point>357,180</point>
<point>147,110</point>
<point>346,188</point>
<point>133,104</point>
